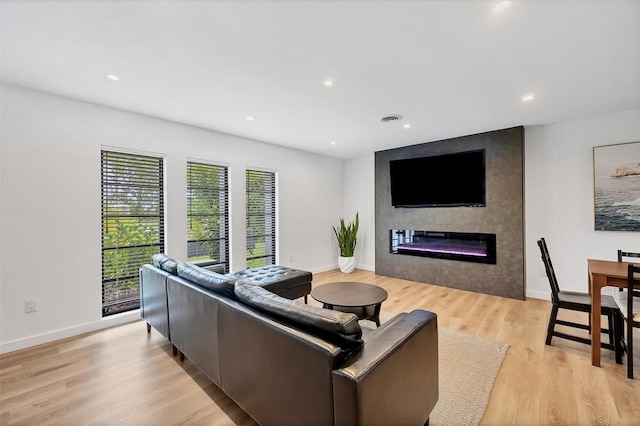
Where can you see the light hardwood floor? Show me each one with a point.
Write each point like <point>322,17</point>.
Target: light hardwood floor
<point>123,375</point>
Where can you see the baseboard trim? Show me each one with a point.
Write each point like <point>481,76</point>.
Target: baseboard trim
<point>48,337</point>
<point>538,295</point>
<point>335,266</point>
<point>547,296</point>
<point>324,269</point>
<point>366,268</point>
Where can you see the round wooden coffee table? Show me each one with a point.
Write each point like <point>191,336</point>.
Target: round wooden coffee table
<point>352,295</point>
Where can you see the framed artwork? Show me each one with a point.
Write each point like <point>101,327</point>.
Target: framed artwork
<point>616,184</point>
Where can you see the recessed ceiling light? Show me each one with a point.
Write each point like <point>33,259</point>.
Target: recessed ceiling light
<point>528,98</point>
<point>249,118</point>
<point>406,126</point>
<point>502,6</point>
<point>328,83</point>
<point>332,142</point>
<point>113,77</point>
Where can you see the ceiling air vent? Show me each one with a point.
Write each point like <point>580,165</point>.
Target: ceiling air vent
<point>390,118</point>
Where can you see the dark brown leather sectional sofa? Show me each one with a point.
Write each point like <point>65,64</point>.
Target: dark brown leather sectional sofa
<point>287,363</point>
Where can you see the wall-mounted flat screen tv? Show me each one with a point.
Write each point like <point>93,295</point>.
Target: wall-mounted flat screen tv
<point>448,180</point>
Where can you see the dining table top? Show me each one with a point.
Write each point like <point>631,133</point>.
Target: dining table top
<point>609,268</point>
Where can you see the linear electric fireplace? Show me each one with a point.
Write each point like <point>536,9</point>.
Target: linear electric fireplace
<point>464,246</point>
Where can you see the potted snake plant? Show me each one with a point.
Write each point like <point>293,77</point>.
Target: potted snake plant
<point>346,237</point>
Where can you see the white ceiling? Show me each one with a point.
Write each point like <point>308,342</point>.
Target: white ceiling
<point>451,68</point>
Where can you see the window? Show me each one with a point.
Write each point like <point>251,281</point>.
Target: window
<point>261,218</point>
<point>132,225</point>
<point>207,213</point>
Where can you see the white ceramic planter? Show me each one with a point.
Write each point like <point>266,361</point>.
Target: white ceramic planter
<point>346,264</point>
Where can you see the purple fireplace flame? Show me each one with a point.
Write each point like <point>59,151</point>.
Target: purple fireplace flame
<point>471,247</point>
<point>467,252</point>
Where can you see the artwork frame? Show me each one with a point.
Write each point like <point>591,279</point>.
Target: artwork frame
<point>616,187</point>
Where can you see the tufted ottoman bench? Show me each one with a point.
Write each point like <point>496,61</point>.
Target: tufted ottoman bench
<point>281,280</point>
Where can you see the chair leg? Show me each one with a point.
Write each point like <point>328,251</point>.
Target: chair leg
<point>610,329</point>
<point>552,323</point>
<point>148,328</point>
<point>613,336</point>
<point>618,332</point>
<point>630,347</point>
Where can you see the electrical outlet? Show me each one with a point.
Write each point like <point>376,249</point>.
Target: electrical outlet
<point>542,272</point>
<point>30,305</point>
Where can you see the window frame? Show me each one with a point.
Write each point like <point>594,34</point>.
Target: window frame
<point>227,227</point>
<point>156,163</point>
<point>272,253</point>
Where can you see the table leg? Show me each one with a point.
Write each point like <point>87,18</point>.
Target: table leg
<point>376,314</point>
<point>589,288</point>
<point>596,300</point>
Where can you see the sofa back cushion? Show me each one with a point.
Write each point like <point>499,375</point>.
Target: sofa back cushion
<point>218,283</point>
<point>336,327</point>
<point>166,263</point>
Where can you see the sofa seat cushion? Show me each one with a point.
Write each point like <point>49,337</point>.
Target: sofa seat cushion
<point>221,284</point>
<point>337,327</point>
<point>166,263</point>
<point>274,278</point>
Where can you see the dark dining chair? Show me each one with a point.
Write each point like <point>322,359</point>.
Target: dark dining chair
<point>627,256</point>
<point>629,303</point>
<point>581,302</point>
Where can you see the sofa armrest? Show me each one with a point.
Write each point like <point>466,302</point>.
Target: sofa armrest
<point>394,379</point>
<point>153,298</point>
<point>211,265</point>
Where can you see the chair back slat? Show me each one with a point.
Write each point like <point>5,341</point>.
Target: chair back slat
<point>633,288</point>
<point>633,283</point>
<point>623,254</point>
<point>548,266</point>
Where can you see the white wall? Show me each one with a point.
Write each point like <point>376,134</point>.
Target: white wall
<point>50,207</point>
<point>558,199</point>
<point>359,196</point>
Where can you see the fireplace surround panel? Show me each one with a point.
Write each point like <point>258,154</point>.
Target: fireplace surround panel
<point>426,258</point>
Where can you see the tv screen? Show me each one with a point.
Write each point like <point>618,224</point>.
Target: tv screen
<point>447,180</point>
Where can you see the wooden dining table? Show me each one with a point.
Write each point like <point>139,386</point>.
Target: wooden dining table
<point>602,273</point>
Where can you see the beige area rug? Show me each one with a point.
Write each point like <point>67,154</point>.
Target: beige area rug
<point>468,368</point>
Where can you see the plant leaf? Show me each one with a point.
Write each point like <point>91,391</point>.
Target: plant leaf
<point>346,236</point>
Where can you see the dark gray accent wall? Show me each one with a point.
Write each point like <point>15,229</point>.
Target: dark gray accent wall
<point>503,216</point>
